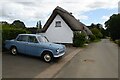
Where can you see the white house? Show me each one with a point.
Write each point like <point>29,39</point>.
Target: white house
<point>60,26</point>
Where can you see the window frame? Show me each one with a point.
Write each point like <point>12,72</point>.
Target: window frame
<point>21,38</point>
<point>35,41</point>
<point>57,23</point>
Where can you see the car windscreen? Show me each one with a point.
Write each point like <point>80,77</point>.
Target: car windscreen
<point>42,39</point>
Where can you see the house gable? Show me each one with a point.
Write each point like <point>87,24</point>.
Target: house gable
<point>67,24</point>
<point>71,21</point>
<point>62,34</point>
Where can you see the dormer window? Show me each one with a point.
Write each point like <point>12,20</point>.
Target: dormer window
<point>58,24</point>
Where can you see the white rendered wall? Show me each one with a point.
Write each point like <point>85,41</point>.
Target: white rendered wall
<point>61,34</point>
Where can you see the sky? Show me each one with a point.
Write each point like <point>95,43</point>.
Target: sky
<point>31,11</point>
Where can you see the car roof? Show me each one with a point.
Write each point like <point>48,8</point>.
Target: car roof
<point>31,34</point>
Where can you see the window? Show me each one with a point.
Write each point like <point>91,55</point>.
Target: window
<point>42,39</point>
<point>32,39</point>
<point>22,38</point>
<point>58,24</point>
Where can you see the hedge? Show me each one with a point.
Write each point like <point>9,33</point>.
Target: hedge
<point>79,39</point>
<point>11,33</point>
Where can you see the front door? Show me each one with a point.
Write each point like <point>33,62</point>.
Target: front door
<point>32,46</point>
<point>21,43</point>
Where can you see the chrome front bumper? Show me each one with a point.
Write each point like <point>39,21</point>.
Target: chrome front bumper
<point>61,54</point>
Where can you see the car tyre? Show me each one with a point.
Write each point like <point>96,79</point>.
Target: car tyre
<point>14,50</point>
<point>47,57</point>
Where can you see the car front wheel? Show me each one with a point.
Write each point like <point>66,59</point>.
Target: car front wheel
<point>47,57</point>
<point>14,50</point>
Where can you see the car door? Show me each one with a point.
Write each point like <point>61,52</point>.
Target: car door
<point>21,43</point>
<point>32,47</point>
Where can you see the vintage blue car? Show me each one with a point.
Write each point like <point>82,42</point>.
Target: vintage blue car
<point>36,45</point>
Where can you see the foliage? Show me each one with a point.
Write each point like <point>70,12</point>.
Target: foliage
<point>39,26</point>
<point>97,33</point>
<point>117,42</point>
<point>79,39</point>
<point>92,38</point>
<point>33,30</point>
<point>113,26</point>
<point>10,32</point>
<point>0,35</point>
<point>18,24</point>
<point>100,28</point>
<point>104,32</point>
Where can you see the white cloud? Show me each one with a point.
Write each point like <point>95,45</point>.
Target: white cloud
<point>33,10</point>
<point>104,4</point>
<point>105,18</point>
<point>81,17</point>
<point>119,7</point>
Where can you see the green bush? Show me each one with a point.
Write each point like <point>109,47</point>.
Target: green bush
<point>8,34</point>
<point>117,42</point>
<point>79,39</point>
<point>97,33</point>
<point>92,38</point>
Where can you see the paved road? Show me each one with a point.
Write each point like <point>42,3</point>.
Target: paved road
<point>98,60</point>
<point>0,65</point>
<point>21,66</point>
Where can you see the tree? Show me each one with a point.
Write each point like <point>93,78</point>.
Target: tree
<point>97,33</point>
<point>4,24</point>
<point>99,27</point>
<point>113,26</point>
<point>18,24</point>
<point>91,26</point>
<point>39,26</point>
<point>10,32</point>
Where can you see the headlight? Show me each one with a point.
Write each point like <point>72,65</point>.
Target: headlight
<point>57,50</point>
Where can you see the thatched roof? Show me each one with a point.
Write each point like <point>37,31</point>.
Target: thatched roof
<point>71,21</point>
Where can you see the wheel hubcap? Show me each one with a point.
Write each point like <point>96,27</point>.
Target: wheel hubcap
<point>47,57</point>
<point>14,51</point>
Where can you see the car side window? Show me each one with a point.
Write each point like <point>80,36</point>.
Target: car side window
<point>22,38</point>
<point>32,39</point>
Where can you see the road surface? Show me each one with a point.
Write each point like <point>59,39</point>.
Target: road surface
<point>98,60</point>
<point>0,65</point>
<point>24,66</point>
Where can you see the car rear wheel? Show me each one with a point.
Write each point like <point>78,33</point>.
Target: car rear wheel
<point>14,50</point>
<point>47,57</point>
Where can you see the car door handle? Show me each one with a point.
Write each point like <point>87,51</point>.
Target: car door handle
<point>29,44</point>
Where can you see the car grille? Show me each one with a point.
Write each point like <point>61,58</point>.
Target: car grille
<point>62,51</point>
